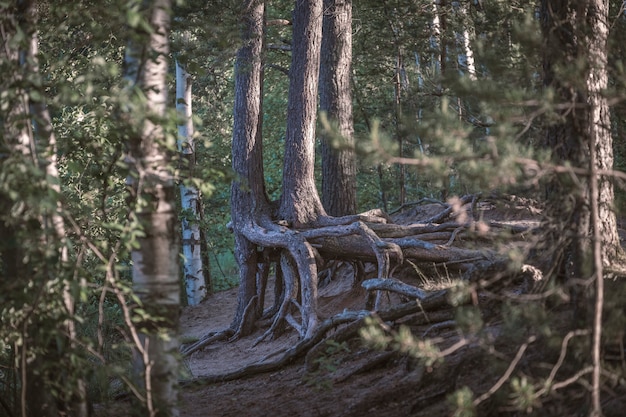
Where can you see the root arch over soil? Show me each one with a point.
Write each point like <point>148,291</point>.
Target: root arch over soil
<point>380,250</point>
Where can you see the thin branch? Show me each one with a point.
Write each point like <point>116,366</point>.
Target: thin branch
<point>596,354</point>
<point>278,22</point>
<point>574,378</point>
<point>548,384</point>
<point>278,68</point>
<point>279,47</point>
<point>458,345</point>
<point>505,377</point>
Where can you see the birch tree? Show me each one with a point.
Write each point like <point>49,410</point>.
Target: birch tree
<point>466,54</point>
<point>193,267</point>
<point>155,261</point>
<point>438,39</point>
<point>29,135</point>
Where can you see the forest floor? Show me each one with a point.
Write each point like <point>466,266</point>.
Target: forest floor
<point>352,379</point>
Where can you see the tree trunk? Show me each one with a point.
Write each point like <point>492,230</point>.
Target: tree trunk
<point>438,38</point>
<point>29,132</point>
<point>337,145</point>
<point>466,58</point>
<point>575,67</point>
<point>567,138</point>
<point>439,44</point>
<point>155,262</point>
<point>193,268</point>
<point>300,203</point>
<point>253,223</point>
<point>299,233</point>
<point>400,84</point>
<point>599,126</point>
<point>249,202</point>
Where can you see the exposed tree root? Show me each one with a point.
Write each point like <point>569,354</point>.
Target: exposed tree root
<point>418,384</point>
<point>432,316</point>
<point>205,341</point>
<point>300,270</point>
<point>353,319</point>
<point>394,285</point>
<point>288,299</point>
<point>372,363</point>
<point>299,253</point>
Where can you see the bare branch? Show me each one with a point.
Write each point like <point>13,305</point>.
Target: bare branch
<point>278,22</point>
<point>507,374</point>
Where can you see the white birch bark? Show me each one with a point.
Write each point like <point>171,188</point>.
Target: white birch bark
<point>54,224</point>
<point>466,57</point>
<point>193,269</point>
<point>155,261</point>
<point>435,39</point>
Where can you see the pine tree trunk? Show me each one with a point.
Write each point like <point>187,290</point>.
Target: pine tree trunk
<point>300,202</point>
<point>599,126</point>
<point>338,158</point>
<point>576,33</point>
<point>567,139</point>
<point>248,197</point>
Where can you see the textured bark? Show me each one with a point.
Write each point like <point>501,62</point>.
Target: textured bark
<point>252,215</point>
<point>253,219</point>
<point>599,126</point>
<point>566,139</point>
<point>577,33</point>
<point>300,202</point>
<point>193,268</point>
<point>575,66</point>
<point>155,262</point>
<point>295,235</point>
<point>248,197</point>
<point>338,158</point>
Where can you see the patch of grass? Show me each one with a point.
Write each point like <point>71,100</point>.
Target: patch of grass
<point>224,271</point>
<point>327,364</point>
<point>441,281</point>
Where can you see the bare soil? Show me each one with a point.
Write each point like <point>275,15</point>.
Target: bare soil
<point>338,388</point>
